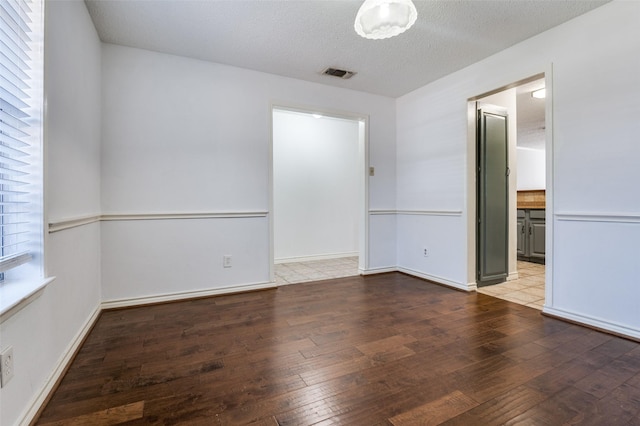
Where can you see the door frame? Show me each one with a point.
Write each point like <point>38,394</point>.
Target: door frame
<point>471,185</point>
<point>363,160</point>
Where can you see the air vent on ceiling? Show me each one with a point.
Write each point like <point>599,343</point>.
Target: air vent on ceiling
<point>335,72</point>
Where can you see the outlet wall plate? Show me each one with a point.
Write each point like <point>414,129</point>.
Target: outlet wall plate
<point>6,366</point>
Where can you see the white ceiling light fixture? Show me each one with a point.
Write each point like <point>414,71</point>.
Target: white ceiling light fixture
<point>379,19</point>
<point>539,94</point>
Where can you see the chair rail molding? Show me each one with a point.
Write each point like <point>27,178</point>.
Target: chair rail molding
<point>614,217</point>
<point>63,224</point>
<point>416,212</point>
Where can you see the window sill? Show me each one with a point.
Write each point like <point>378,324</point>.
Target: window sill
<point>15,295</point>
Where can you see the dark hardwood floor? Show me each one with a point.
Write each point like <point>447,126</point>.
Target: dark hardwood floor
<point>377,350</point>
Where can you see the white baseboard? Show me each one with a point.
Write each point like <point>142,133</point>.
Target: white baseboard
<point>513,276</point>
<point>439,280</point>
<point>373,271</point>
<point>593,322</point>
<point>296,259</point>
<point>172,297</point>
<point>60,368</point>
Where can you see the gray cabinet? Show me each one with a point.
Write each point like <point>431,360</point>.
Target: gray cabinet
<point>531,235</point>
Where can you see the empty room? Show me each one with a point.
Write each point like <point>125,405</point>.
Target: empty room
<point>161,263</point>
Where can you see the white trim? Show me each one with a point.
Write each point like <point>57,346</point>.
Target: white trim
<point>417,212</point>
<point>470,205</point>
<point>513,276</point>
<point>549,192</point>
<point>373,271</point>
<point>181,215</point>
<point>185,295</point>
<point>15,295</point>
<point>272,244</point>
<point>439,280</point>
<point>430,212</point>
<point>63,224</point>
<point>593,322</point>
<point>364,226</point>
<point>60,368</point>
<point>598,217</point>
<point>382,212</point>
<point>297,259</point>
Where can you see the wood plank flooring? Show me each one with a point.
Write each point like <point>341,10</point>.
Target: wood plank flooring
<point>380,350</point>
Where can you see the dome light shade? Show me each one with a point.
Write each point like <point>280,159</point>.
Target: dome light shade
<point>378,19</point>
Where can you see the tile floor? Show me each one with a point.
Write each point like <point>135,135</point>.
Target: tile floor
<point>299,272</point>
<point>528,290</point>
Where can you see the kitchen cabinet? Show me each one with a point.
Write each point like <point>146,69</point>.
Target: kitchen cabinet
<point>531,235</point>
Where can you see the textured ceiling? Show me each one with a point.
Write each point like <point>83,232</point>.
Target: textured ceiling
<point>299,39</point>
<point>530,116</point>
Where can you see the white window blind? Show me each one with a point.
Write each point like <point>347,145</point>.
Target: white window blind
<point>15,131</point>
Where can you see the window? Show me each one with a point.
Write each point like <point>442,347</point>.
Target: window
<point>20,134</point>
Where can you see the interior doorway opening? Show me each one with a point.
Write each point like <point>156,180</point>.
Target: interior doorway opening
<point>528,199</point>
<point>318,195</point>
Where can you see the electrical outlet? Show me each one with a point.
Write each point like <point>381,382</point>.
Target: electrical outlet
<point>226,261</point>
<point>6,365</point>
<point>425,252</point>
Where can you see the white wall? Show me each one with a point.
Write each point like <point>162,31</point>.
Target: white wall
<point>316,185</point>
<point>42,332</point>
<point>594,153</point>
<point>531,169</point>
<point>186,136</point>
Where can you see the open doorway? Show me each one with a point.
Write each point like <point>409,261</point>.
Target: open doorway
<point>524,280</point>
<point>318,191</point>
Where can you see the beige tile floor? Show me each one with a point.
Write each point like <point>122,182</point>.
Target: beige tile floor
<point>299,272</point>
<point>527,290</point>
